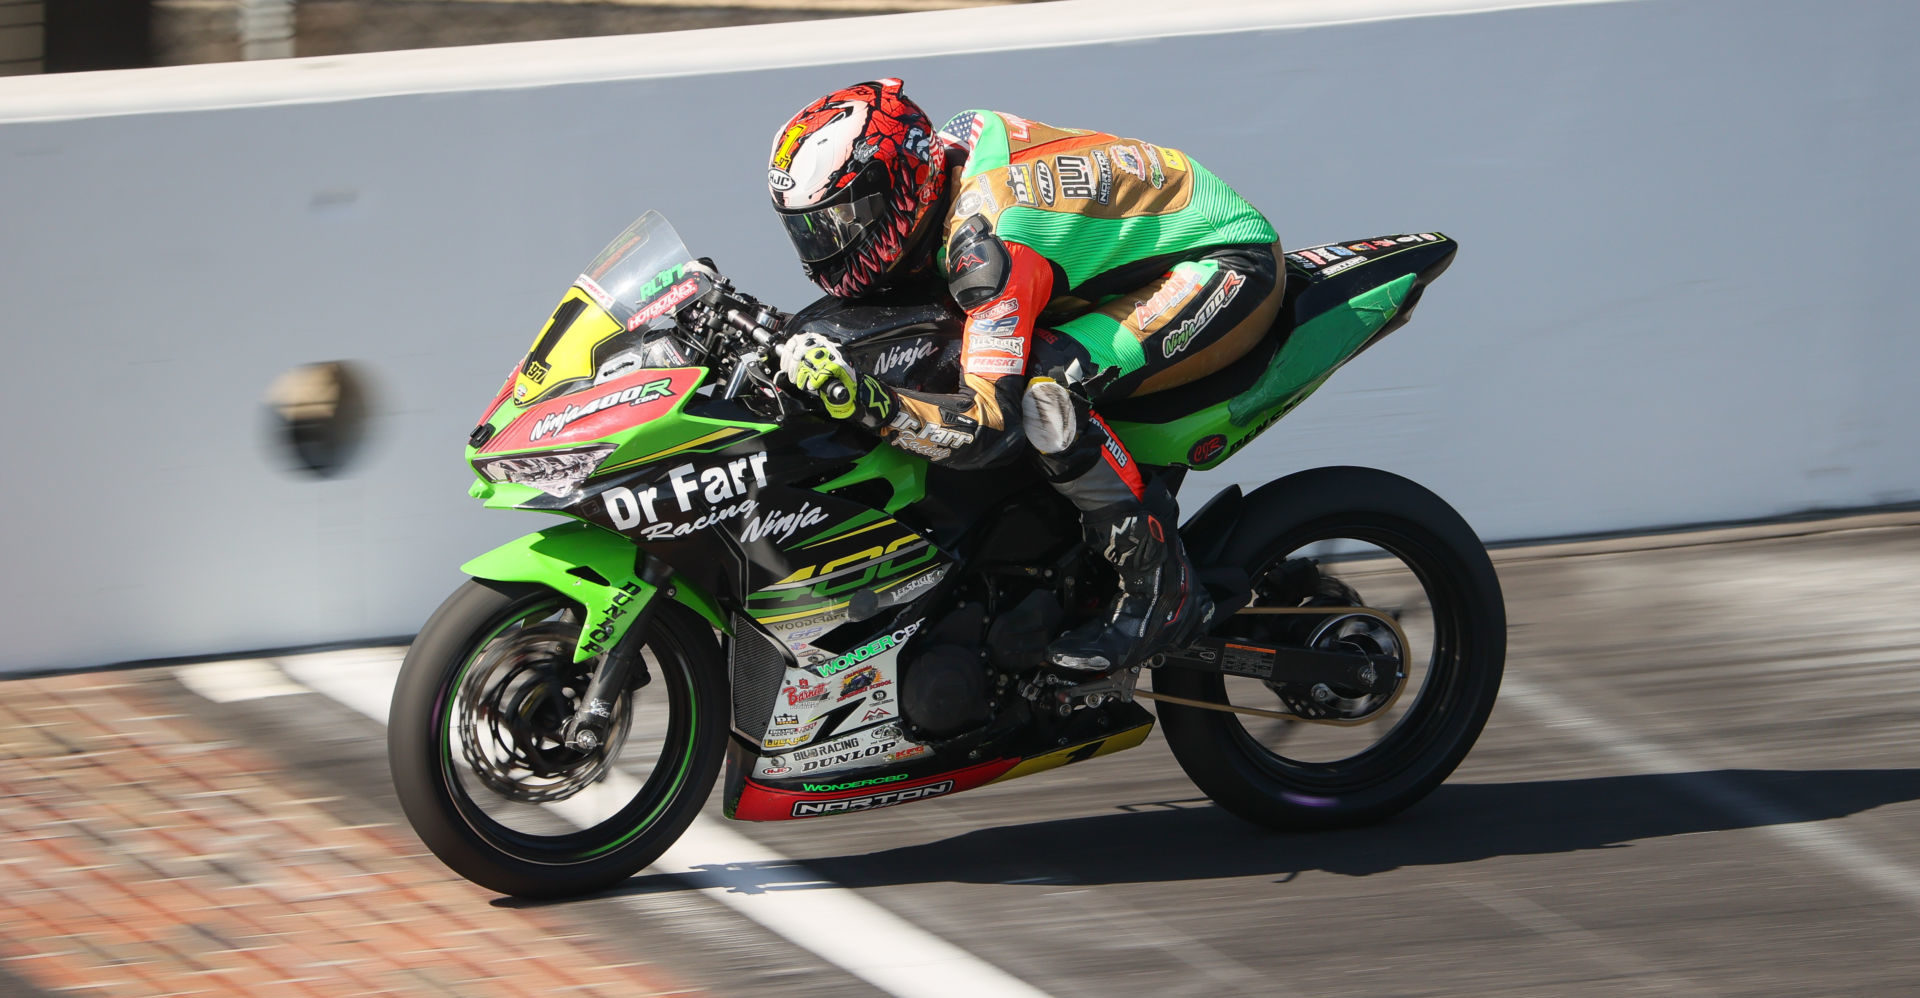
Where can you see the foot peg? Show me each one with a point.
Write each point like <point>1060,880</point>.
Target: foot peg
<point>1064,696</point>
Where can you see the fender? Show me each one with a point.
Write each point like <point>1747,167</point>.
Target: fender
<point>595,567</point>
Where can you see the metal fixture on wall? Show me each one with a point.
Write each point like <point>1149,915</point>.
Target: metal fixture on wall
<point>266,29</point>
<point>320,415</point>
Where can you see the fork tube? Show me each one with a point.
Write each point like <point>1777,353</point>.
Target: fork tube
<point>588,726</point>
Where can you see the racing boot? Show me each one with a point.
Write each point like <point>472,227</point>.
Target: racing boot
<point>1160,602</point>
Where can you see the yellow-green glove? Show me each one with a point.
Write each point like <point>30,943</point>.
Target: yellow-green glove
<point>814,364</point>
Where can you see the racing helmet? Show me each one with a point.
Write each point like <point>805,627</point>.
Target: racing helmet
<point>857,177</point>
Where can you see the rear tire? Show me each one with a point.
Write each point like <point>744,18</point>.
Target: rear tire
<point>465,825</point>
<point>1424,747</point>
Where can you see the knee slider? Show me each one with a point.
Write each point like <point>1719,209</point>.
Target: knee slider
<point>1047,411</point>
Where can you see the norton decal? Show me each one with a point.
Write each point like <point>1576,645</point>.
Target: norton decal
<point>1105,194</point>
<point>566,420</point>
<point>659,388</point>
<point>802,809</point>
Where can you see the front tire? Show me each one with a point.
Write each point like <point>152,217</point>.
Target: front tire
<point>527,826</point>
<point>1417,749</point>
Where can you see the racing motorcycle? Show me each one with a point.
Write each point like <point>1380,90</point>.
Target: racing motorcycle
<point>741,585</point>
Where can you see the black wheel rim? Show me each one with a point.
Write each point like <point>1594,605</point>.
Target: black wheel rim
<point>1421,717</point>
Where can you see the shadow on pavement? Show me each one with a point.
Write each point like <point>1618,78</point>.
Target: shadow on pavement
<point>1460,823</point>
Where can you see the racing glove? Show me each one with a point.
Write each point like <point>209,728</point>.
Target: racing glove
<point>815,365</point>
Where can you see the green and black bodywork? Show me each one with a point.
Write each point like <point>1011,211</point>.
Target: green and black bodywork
<point>797,537</point>
<point>882,618</point>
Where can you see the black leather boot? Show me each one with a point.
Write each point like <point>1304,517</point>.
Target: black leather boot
<point>1160,603</point>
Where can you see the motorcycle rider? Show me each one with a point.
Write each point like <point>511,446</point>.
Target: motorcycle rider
<point>1091,268</point>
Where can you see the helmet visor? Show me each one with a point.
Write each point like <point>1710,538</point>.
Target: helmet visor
<point>822,233</point>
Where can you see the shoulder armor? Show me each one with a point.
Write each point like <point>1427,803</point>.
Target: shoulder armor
<point>977,263</point>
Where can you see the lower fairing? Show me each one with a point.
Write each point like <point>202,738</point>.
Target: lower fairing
<point>1086,735</point>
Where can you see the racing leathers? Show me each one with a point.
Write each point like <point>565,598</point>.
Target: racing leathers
<point>1091,268</point>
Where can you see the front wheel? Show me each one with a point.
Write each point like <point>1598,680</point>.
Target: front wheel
<point>1346,537</point>
<point>488,784</point>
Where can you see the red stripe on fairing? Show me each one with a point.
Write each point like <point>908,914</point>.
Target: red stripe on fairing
<point>518,435</point>
<point>1122,463</point>
<point>505,390</point>
<point>763,803</point>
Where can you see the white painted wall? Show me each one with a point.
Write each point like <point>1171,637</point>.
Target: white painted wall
<point>1682,294</point>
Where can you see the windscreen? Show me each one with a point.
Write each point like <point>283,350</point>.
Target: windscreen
<point>636,284</point>
<point>644,270</point>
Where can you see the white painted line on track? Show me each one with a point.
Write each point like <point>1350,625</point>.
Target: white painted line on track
<point>1841,851</point>
<point>831,922</point>
<point>242,679</point>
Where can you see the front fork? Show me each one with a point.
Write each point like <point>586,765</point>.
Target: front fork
<point>587,728</point>
<point>618,587</point>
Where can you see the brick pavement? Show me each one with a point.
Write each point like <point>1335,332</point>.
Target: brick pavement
<point>147,856</point>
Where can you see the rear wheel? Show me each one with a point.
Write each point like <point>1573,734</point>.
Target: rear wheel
<point>1329,538</point>
<point>485,779</point>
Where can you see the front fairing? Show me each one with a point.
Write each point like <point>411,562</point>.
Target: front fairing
<point>608,381</point>
<point>620,315</point>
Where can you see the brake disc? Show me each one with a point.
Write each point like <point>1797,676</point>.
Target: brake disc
<point>512,706</point>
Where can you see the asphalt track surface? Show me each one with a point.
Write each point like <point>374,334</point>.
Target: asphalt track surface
<point>1703,778</point>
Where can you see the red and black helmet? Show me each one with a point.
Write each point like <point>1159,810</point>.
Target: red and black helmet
<point>857,177</point>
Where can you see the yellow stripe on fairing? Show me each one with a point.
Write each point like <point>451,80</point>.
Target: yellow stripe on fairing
<point>813,611</point>
<point>850,533</point>
<point>714,437</point>
<point>1059,757</point>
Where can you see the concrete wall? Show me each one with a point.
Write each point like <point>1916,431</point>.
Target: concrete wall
<point>1687,227</point>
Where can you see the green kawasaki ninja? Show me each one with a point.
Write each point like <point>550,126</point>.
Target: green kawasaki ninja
<point>847,628</point>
